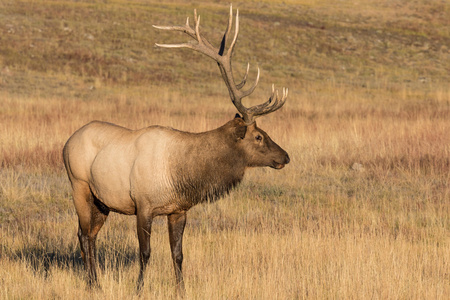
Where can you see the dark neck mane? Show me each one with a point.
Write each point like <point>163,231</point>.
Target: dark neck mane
<point>212,166</point>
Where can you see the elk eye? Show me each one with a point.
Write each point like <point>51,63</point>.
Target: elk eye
<point>258,138</point>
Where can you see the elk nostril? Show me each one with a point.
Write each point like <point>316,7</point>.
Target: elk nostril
<point>287,159</point>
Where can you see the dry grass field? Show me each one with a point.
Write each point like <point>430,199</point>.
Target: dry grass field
<point>361,212</point>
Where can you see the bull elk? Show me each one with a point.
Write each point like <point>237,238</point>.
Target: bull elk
<point>158,170</point>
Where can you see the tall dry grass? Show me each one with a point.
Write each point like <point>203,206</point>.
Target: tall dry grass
<point>316,229</point>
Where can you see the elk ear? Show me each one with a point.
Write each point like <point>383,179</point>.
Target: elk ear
<point>237,116</point>
<point>240,130</point>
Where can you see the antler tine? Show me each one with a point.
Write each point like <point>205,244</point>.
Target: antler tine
<point>227,32</point>
<point>271,105</point>
<point>197,25</point>
<point>236,32</point>
<point>244,80</point>
<point>252,88</point>
<point>186,29</point>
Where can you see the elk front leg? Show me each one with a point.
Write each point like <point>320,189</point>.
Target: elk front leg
<point>144,227</point>
<point>176,223</point>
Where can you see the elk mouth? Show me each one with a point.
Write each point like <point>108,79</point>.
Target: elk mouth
<point>277,166</point>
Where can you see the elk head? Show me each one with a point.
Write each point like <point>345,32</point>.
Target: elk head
<point>257,145</point>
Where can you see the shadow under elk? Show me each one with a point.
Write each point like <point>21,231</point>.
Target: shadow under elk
<point>158,170</point>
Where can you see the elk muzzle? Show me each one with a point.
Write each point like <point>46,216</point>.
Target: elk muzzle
<point>280,164</point>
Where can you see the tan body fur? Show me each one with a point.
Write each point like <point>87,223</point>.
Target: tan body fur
<point>125,168</point>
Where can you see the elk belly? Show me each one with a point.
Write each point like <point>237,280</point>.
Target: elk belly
<point>110,179</point>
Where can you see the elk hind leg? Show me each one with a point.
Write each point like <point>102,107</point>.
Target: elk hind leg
<point>91,217</point>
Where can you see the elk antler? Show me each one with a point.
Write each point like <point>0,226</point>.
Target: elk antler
<point>224,61</point>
